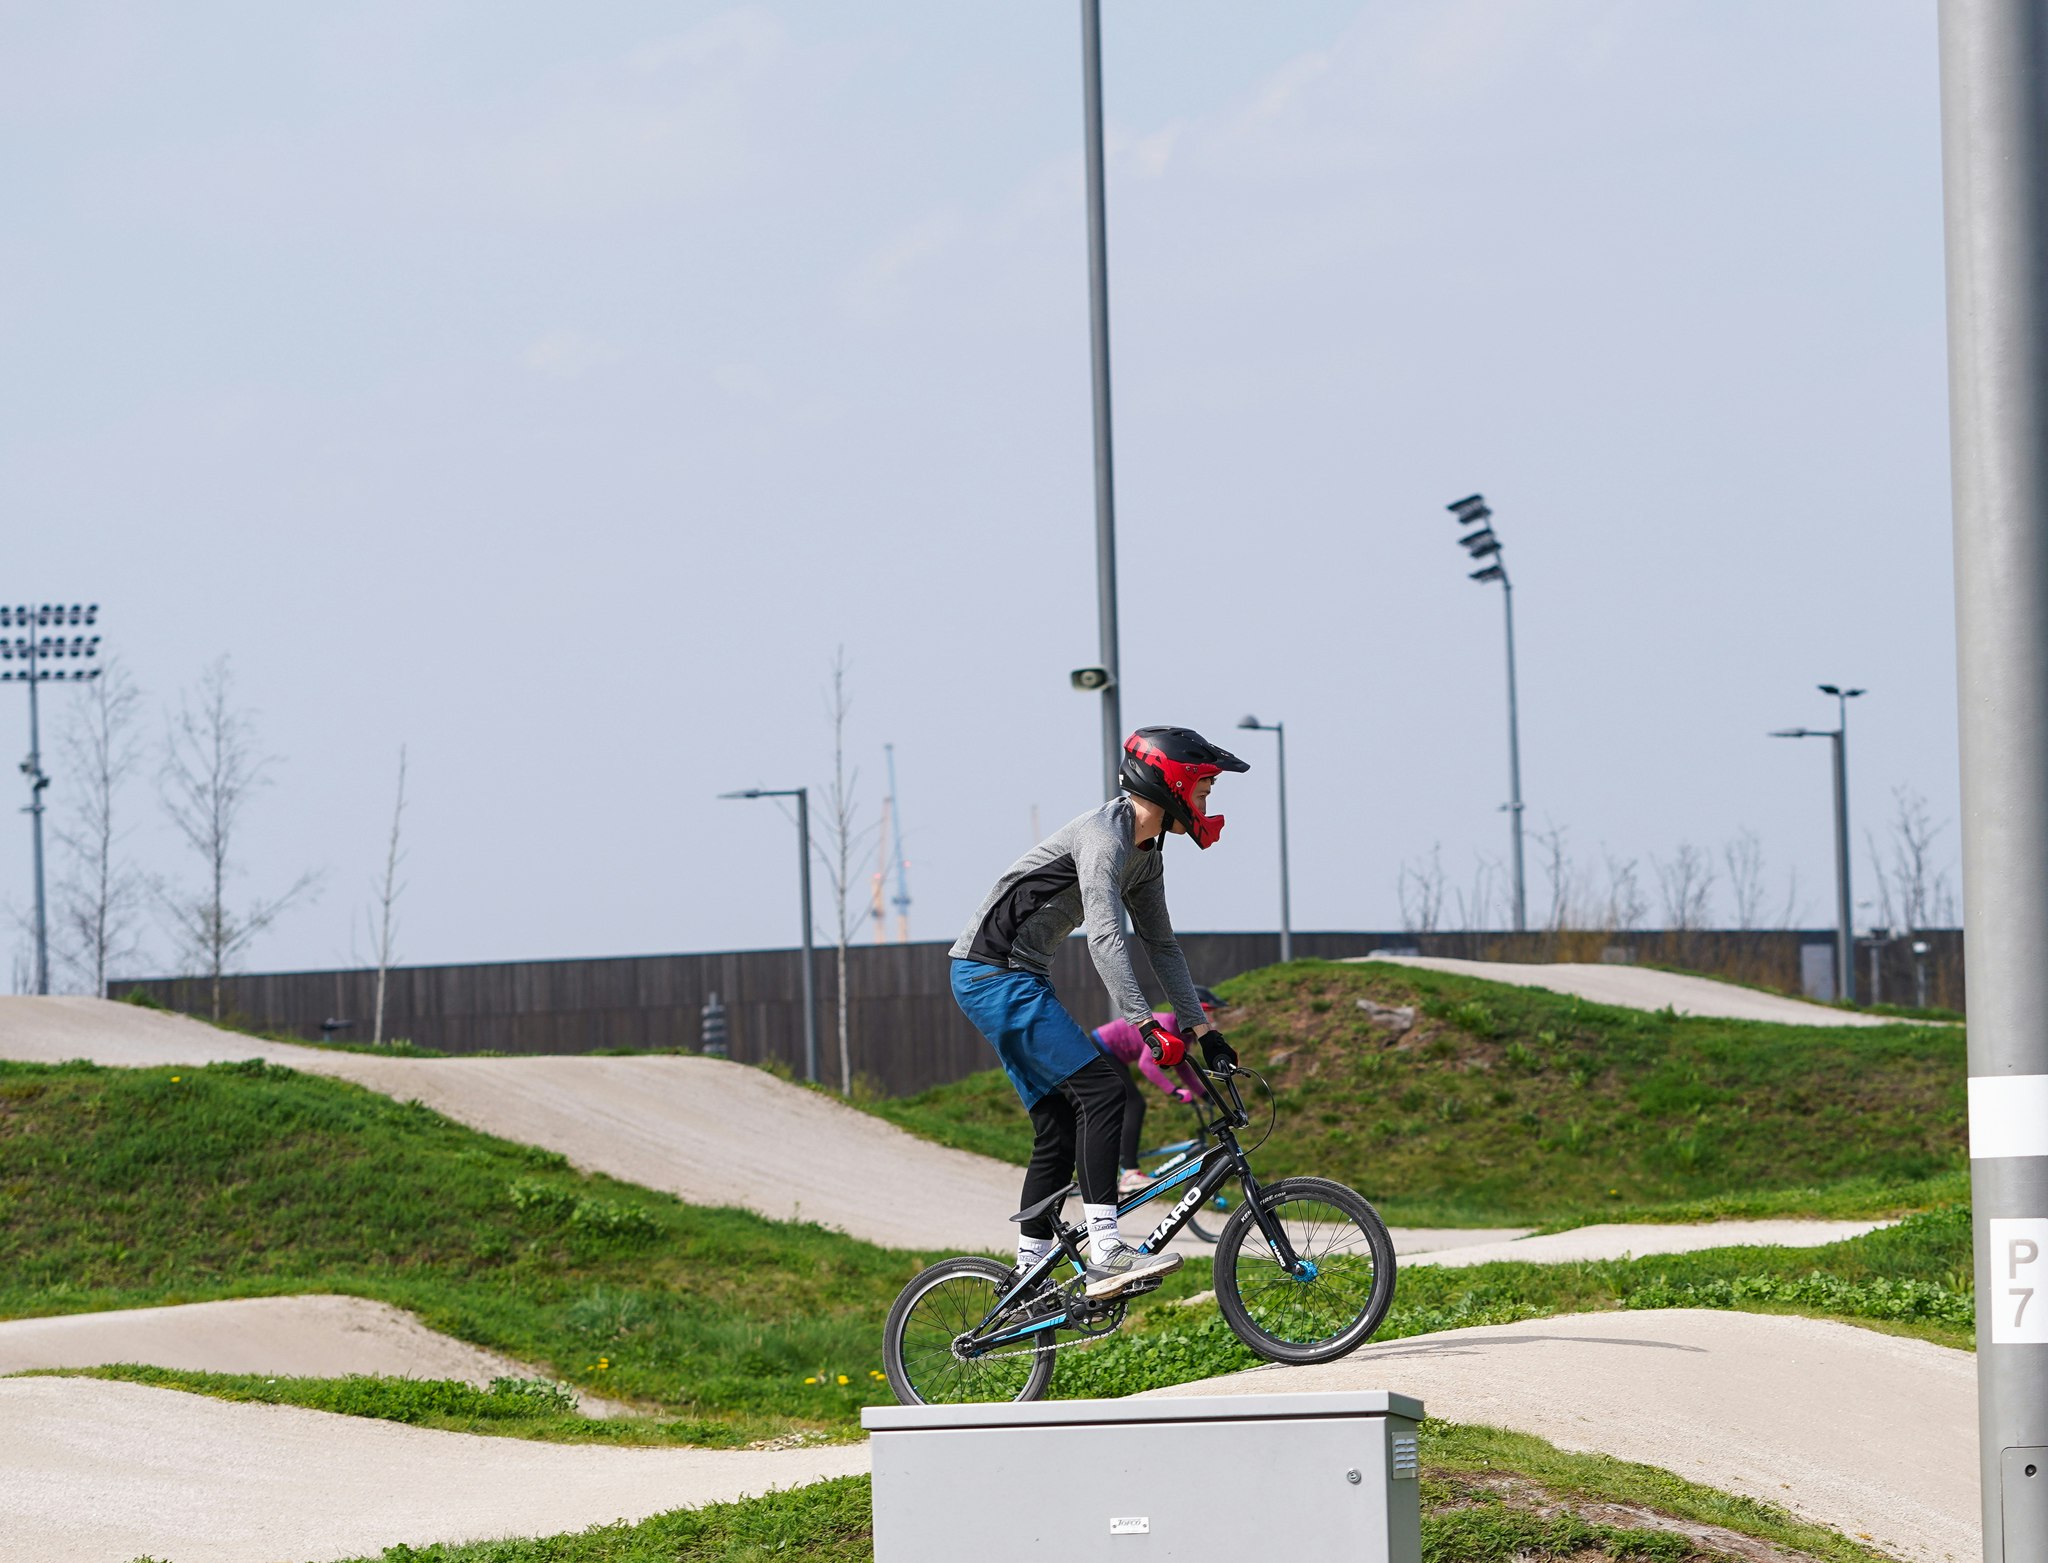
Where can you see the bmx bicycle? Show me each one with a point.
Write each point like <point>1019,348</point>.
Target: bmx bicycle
<point>1304,1273</point>
<point>1160,1164</point>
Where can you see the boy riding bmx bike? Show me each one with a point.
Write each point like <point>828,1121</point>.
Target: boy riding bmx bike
<point>1089,873</point>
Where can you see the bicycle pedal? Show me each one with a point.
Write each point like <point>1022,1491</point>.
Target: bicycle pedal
<point>1139,1288</point>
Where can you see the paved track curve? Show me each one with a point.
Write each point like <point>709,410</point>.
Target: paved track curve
<point>1873,1435</point>
<point>320,1336</point>
<point>103,1472</point>
<point>1641,987</point>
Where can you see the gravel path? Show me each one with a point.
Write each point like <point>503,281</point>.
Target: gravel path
<point>102,1473</point>
<point>1639,987</point>
<point>1873,1435</point>
<point>301,1337</point>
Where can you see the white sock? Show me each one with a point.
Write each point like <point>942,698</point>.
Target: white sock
<point>1032,1249</point>
<point>1103,1232</point>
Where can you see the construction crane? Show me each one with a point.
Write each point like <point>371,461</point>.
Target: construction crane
<point>888,848</point>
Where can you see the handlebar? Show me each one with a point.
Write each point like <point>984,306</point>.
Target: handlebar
<point>1225,1078</point>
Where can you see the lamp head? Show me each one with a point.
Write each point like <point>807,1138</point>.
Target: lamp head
<point>1250,721</point>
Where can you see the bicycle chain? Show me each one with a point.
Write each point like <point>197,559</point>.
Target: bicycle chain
<point>1081,1338</point>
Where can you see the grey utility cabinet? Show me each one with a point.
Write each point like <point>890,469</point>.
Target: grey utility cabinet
<point>1316,1477</point>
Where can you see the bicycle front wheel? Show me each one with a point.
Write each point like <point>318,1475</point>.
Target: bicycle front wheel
<point>920,1350</point>
<point>1340,1291</point>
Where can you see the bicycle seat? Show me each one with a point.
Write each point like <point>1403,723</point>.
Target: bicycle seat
<point>1047,1206</point>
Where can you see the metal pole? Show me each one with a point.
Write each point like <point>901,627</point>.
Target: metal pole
<point>1286,918</point>
<point>803,846</point>
<point>1507,597</point>
<point>1098,337</point>
<point>37,781</point>
<point>1845,932</point>
<point>1994,101</point>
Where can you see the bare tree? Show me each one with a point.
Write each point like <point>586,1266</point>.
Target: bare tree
<point>1686,887</point>
<point>99,895</point>
<point>1558,872</point>
<point>1626,904</point>
<point>1474,912</point>
<point>1421,889</point>
<point>1914,893</point>
<point>389,890</point>
<point>844,841</point>
<point>211,772</point>
<point>1744,859</point>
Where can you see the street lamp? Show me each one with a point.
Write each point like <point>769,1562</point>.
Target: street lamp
<point>803,849</point>
<point>23,660</point>
<point>1845,948</point>
<point>1279,731</point>
<point>1484,547</point>
<point>1098,343</point>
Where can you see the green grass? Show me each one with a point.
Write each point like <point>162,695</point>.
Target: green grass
<point>129,1187</point>
<point>1487,1497</point>
<point>511,1407</point>
<point>1513,1106</point>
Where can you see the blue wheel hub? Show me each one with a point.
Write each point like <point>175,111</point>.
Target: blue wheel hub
<point>1307,1272</point>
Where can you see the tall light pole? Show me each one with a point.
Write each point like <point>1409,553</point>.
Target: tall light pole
<point>803,853</point>
<point>1279,732</point>
<point>30,655</point>
<point>1098,337</point>
<point>1845,933</point>
<point>1994,103</point>
<point>1484,547</point>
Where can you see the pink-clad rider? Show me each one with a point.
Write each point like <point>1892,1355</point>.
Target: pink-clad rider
<point>1125,1043</point>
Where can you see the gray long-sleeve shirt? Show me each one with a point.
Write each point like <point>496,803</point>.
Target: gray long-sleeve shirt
<point>1078,875</point>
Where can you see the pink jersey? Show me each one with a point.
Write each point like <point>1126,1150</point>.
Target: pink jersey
<point>1126,1043</point>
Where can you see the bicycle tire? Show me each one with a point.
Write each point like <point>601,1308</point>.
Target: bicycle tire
<point>931,1369</point>
<point>1329,1307</point>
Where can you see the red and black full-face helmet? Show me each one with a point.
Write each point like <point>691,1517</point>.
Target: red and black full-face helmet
<point>1164,763</point>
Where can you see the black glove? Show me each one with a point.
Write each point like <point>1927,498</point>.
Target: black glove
<point>1219,1054</point>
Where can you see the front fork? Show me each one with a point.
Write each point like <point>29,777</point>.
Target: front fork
<point>1269,1224</point>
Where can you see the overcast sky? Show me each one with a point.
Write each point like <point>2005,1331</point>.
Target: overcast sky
<point>552,389</point>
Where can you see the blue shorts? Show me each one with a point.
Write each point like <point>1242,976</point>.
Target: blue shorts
<point>1039,1043</point>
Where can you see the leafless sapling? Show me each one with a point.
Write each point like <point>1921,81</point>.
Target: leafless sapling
<point>843,843</point>
<point>389,889</point>
<point>1421,891</point>
<point>100,894</point>
<point>212,770</point>
<point>1686,887</point>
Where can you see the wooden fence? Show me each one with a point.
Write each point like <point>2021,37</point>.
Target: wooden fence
<point>904,1032</point>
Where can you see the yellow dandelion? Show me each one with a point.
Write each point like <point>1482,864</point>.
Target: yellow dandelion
<point>844,1379</point>
<point>176,1078</point>
<point>810,1381</point>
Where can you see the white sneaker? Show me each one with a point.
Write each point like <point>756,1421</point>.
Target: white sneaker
<point>1132,1181</point>
<point>1122,1268</point>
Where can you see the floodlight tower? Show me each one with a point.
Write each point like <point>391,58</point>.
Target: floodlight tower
<point>1484,547</point>
<point>28,653</point>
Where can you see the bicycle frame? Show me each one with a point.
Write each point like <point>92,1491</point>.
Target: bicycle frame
<point>1216,1166</point>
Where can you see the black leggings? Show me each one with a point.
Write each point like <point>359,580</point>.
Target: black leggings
<point>1076,1126</point>
<point>1134,1118</point>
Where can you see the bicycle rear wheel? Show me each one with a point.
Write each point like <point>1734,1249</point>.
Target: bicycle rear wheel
<point>1343,1290</point>
<point>940,1305</point>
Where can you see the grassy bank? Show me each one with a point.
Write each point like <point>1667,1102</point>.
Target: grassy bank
<point>1506,1105</point>
<point>127,1187</point>
<point>1911,1279</point>
<point>1486,1495</point>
